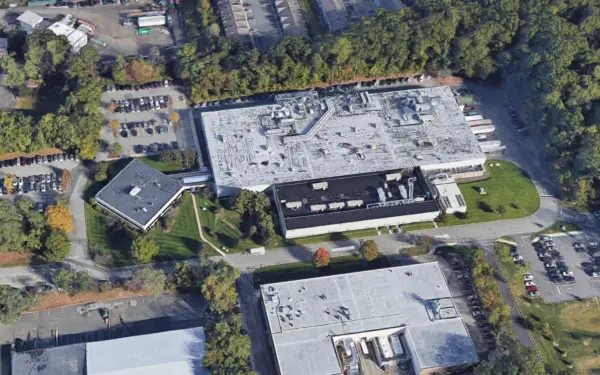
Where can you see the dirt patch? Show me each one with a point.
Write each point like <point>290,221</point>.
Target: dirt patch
<point>15,259</point>
<point>56,299</point>
<point>588,366</point>
<point>452,80</point>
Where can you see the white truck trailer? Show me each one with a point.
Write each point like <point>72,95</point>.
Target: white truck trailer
<point>152,21</point>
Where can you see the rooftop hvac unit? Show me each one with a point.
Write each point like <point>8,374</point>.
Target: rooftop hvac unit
<point>385,348</point>
<point>135,191</point>
<point>293,205</point>
<point>381,194</point>
<point>318,207</point>
<point>336,205</point>
<point>320,186</point>
<point>355,203</point>
<point>403,192</point>
<point>393,176</point>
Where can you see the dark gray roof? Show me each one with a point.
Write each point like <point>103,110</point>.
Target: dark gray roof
<point>62,360</point>
<point>361,187</point>
<point>139,192</point>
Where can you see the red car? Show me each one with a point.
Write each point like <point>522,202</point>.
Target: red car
<point>532,288</point>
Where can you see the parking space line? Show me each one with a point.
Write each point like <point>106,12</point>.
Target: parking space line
<point>557,289</point>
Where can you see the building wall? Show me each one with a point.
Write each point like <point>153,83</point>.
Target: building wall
<point>365,224</point>
<point>456,164</point>
<point>152,220</point>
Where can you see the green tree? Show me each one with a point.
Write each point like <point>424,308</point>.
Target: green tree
<point>12,303</point>
<point>369,250</point>
<point>116,148</point>
<point>101,172</point>
<point>150,279</point>
<point>12,227</point>
<point>16,130</point>
<point>119,73</point>
<point>63,279</point>
<point>14,74</point>
<point>514,359</point>
<point>84,64</point>
<point>58,246</point>
<point>218,287</point>
<point>143,248</point>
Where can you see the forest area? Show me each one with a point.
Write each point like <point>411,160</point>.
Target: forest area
<point>546,52</point>
<point>68,87</point>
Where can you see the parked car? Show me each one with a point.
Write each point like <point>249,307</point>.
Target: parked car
<point>528,276</point>
<point>578,246</point>
<point>529,283</point>
<point>533,294</point>
<point>532,288</point>
<point>477,313</point>
<point>595,275</point>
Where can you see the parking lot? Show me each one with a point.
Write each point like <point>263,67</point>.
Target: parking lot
<point>128,317</point>
<point>146,130</point>
<point>41,191</point>
<point>577,264</point>
<point>120,40</point>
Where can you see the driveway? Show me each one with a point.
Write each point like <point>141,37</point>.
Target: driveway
<point>79,241</point>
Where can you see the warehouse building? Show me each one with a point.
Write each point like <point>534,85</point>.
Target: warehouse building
<point>77,38</point>
<point>139,194</point>
<point>398,320</point>
<point>173,352</point>
<point>354,202</point>
<point>305,137</point>
<point>29,21</point>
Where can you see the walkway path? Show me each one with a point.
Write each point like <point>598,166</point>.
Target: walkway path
<point>199,223</point>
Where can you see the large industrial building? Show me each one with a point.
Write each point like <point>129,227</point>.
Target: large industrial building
<point>347,161</point>
<point>399,320</point>
<point>172,352</point>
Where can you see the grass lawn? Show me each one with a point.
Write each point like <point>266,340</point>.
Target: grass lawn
<point>414,251</point>
<point>182,242</point>
<point>305,270</point>
<point>579,207</point>
<point>223,233</point>
<point>507,186</point>
<point>25,102</point>
<point>575,326</point>
<point>332,237</point>
<point>154,162</point>
<point>418,226</point>
<point>557,228</point>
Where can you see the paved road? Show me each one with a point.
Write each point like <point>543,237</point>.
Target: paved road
<point>520,332</point>
<point>79,241</point>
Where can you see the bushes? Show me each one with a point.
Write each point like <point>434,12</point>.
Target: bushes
<point>148,279</point>
<point>73,281</point>
<point>489,291</point>
<point>321,258</point>
<point>13,302</point>
<point>369,250</point>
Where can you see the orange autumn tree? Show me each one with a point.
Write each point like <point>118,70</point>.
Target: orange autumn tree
<point>322,258</point>
<point>59,217</point>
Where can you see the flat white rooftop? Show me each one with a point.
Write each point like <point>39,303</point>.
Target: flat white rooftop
<point>303,136</point>
<point>304,315</point>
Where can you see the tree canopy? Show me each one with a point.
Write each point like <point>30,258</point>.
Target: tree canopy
<point>12,303</point>
<point>58,245</point>
<point>59,217</point>
<point>21,227</point>
<point>143,248</point>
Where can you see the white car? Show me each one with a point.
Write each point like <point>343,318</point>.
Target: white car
<point>528,277</point>
<point>517,258</point>
<point>596,275</point>
<point>529,283</point>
